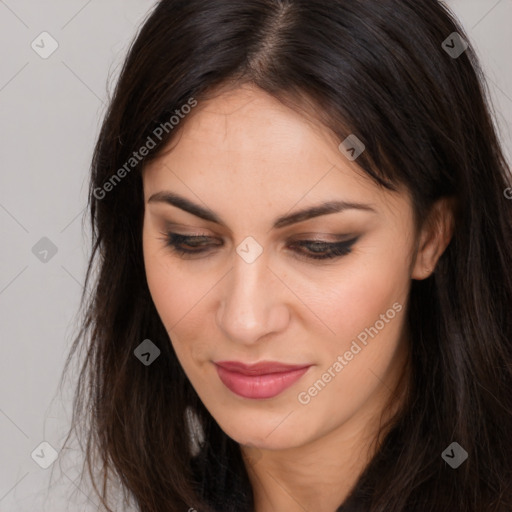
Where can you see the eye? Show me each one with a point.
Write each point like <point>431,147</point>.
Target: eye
<point>321,250</point>
<point>190,245</point>
<point>187,244</point>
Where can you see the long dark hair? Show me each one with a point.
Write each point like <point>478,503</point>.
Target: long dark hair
<point>376,68</point>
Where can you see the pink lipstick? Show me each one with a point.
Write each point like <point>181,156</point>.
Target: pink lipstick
<point>266,379</point>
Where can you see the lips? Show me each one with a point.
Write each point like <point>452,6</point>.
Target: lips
<point>266,379</point>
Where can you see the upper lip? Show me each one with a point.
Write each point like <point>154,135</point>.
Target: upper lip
<point>261,368</point>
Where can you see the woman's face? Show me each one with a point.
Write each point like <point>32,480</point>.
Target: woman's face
<point>255,293</point>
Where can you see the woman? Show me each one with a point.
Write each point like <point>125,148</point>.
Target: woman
<point>304,247</point>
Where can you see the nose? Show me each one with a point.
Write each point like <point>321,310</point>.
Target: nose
<point>252,302</point>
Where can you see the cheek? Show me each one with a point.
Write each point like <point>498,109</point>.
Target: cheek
<point>365,307</point>
<point>364,296</point>
<point>354,295</point>
<point>177,301</point>
<point>377,281</point>
<point>364,304</point>
<point>170,290</point>
<point>179,296</point>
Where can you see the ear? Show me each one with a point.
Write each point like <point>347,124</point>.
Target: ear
<point>435,235</point>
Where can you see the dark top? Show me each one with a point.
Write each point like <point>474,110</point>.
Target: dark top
<point>228,491</point>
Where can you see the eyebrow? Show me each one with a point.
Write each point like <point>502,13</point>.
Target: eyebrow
<point>286,220</point>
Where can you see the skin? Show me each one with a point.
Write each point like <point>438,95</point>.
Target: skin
<point>215,306</point>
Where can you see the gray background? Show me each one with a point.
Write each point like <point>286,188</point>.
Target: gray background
<point>51,111</point>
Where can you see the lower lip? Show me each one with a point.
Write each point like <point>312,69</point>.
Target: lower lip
<point>259,386</point>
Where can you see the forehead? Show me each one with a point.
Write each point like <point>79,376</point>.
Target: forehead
<point>245,147</point>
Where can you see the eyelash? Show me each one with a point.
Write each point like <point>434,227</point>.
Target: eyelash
<point>333,250</point>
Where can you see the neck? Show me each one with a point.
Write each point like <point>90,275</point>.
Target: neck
<point>321,474</point>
